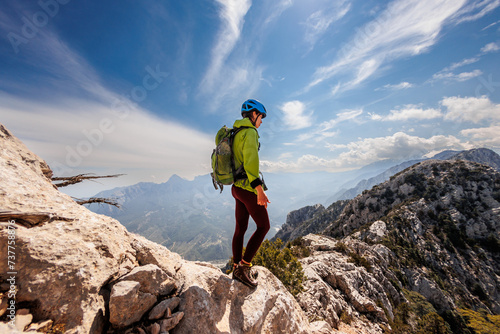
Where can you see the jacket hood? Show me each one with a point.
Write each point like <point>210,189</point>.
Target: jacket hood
<point>243,122</point>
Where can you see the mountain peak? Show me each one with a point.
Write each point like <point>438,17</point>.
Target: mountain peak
<point>480,155</point>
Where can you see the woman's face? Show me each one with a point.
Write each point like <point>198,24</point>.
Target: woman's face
<point>257,119</point>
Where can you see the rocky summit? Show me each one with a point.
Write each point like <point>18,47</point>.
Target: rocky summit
<point>64,269</point>
<point>416,254</point>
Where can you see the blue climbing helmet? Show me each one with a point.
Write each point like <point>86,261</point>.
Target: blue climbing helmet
<point>251,105</point>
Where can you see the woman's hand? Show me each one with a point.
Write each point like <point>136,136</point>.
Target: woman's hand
<point>262,197</point>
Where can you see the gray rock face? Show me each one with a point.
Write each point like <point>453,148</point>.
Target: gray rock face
<point>127,304</point>
<point>152,279</point>
<point>336,288</point>
<point>230,307</point>
<point>310,219</point>
<point>433,229</point>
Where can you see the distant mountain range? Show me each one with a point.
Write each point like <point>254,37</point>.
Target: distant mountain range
<point>305,220</point>
<point>196,221</point>
<point>480,155</point>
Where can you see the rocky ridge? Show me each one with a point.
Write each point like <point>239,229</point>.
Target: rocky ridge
<point>309,219</point>
<point>480,155</point>
<point>423,245</point>
<point>74,271</point>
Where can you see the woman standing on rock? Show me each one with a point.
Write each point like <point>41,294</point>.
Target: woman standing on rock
<point>251,200</point>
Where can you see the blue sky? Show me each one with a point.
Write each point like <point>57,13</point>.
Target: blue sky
<point>141,87</point>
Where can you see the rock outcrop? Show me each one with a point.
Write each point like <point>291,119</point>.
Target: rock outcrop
<point>429,238</point>
<point>85,273</point>
<point>310,219</point>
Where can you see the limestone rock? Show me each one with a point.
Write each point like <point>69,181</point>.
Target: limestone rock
<point>23,319</point>
<point>154,328</point>
<point>127,304</point>
<point>159,310</point>
<point>217,303</point>
<point>149,276</point>
<point>66,266</point>
<point>377,231</point>
<point>42,326</point>
<point>430,290</point>
<point>321,327</point>
<point>335,287</point>
<point>171,322</point>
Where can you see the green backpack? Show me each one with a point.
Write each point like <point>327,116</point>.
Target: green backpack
<point>223,168</point>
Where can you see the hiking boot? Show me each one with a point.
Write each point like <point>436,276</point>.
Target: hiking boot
<point>243,274</point>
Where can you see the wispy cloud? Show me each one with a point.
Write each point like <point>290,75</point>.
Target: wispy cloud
<point>447,72</point>
<point>464,76</point>
<point>475,10</point>
<point>82,125</point>
<point>400,86</point>
<point>459,64</point>
<point>404,28</point>
<point>295,115</point>
<point>97,136</point>
<point>490,47</point>
<point>341,117</point>
<point>409,112</point>
<point>276,10</point>
<point>232,14</point>
<point>329,129</point>
<point>491,25</point>
<point>318,23</point>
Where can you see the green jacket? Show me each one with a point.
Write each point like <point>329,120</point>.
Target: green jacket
<point>246,153</point>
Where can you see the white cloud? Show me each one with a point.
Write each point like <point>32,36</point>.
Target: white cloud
<point>341,117</point>
<point>484,137</point>
<point>399,146</point>
<point>404,29</point>
<point>412,112</point>
<point>491,25</point>
<point>464,62</point>
<point>400,86</point>
<point>491,47</point>
<point>286,155</point>
<point>473,109</point>
<point>375,116</point>
<point>277,9</point>
<point>232,14</point>
<point>318,22</point>
<point>324,130</point>
<point>295,115</point>
<point>95,136</point>
<point>457,77</point>
<point>475,10</point>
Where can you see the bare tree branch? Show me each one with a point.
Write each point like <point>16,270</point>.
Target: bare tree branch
<point>69,180</point>
<point>31,219</point>
<point>98,200</point>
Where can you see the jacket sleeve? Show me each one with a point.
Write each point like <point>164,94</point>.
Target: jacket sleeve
<point>251,157</point>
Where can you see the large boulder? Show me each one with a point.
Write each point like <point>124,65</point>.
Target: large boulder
<point>230,307</point>
<point>127,304</point>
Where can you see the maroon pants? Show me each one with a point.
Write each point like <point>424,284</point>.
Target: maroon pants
<point>246,206</point>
